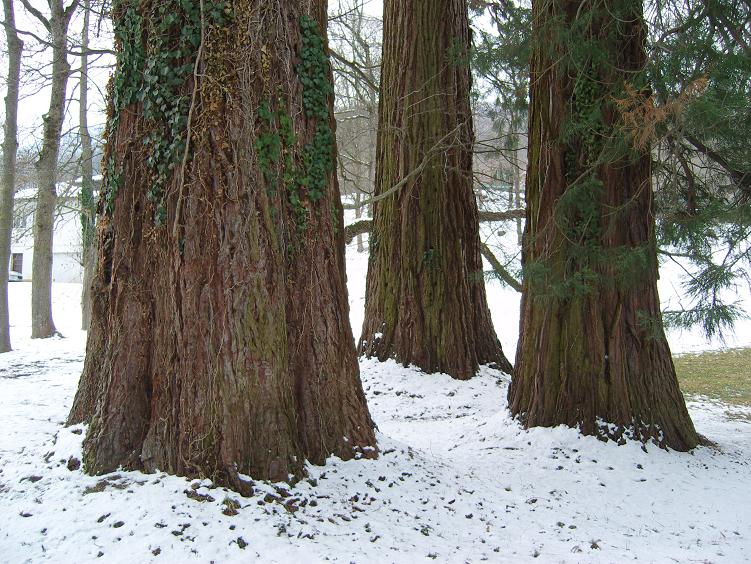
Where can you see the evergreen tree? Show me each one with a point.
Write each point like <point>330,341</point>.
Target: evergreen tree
<point>592,351</point>
<point>697,121</point>
<point>700,117</point>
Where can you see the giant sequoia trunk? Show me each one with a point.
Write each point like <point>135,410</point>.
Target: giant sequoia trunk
<point>10,148</point>
<point>220,340</point>
<point>425,301</point>
<point>592,349</point>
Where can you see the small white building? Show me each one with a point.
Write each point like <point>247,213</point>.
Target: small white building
<point>67,265</point>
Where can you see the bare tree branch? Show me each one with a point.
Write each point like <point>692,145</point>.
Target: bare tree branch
<point>502,273</point>
<point>37,14</point>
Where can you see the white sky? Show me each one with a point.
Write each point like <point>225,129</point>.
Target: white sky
<point>35,93</point>
<point>372,7</point>
<point>35,97</point>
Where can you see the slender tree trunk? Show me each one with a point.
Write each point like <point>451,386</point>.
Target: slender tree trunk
<point>371,166</point>
<point>592,350</point>
<point>10,148</point>
<point>510,146</point>
<point>220,341</point>
<point>88,205</point>
<point>425,299</point>
<point>517,188</point>
<point>358,215</point>
<point>42,325</point>
<point>89,257</point>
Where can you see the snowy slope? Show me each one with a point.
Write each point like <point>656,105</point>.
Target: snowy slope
<point>457,479</point>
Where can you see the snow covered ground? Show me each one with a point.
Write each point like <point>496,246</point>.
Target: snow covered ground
<point>457,479</point>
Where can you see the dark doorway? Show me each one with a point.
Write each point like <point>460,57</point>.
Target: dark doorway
<point>16,262</point>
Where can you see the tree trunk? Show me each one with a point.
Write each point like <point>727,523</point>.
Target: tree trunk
<point>425,300</point>
<point>358,215</point>
<point>516,186</point>
<point>10,148</point>
<point>220,341</point>
<point>42,325</point>
<point>592,350</point>
<point>518,205</point>
<point>89,257</point>
<point>88,205</point>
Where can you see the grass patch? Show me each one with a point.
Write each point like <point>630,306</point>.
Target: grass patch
<point>723,375</point>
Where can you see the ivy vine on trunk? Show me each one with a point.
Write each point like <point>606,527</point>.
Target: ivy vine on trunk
<point>220,342</point>
<point>592,351</point>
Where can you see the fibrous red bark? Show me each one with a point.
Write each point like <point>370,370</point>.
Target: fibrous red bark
<point>425,300</point>
<point>220,341</point>
<point>592,351</point>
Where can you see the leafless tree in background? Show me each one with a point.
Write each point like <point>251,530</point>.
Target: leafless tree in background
<point>10,148</point>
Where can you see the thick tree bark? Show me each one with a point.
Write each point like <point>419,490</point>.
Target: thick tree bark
<point>220,341</point>
<point>425,300</point>
<point>88,206</point>
<point>42,325</point>
<point>10,148</point>
<point>592,349</point>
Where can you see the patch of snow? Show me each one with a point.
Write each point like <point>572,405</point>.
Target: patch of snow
<point>457,479</point>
